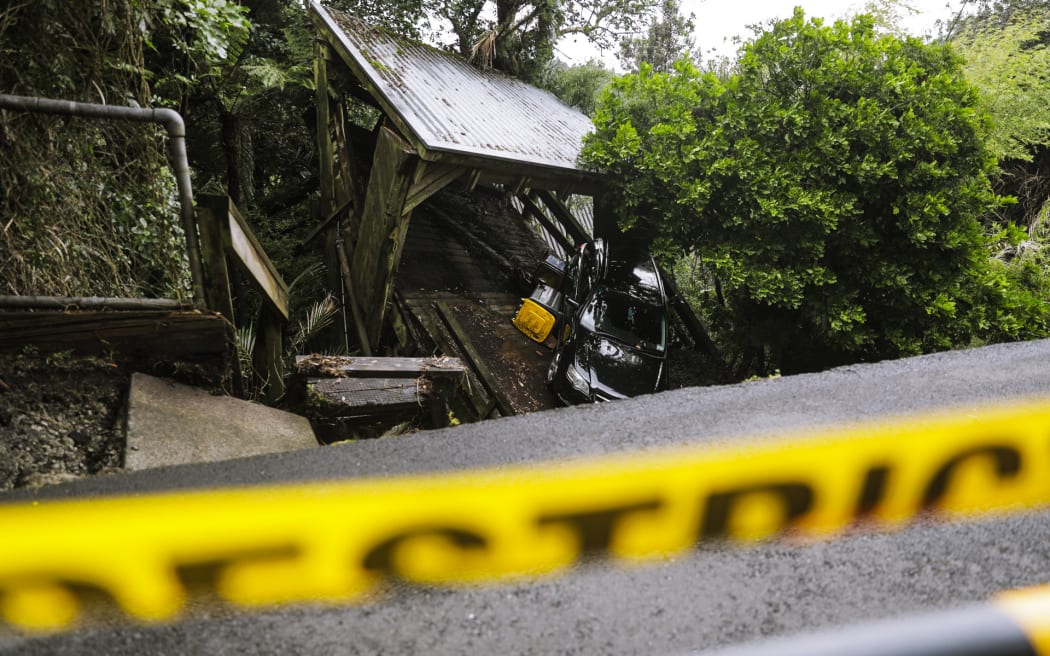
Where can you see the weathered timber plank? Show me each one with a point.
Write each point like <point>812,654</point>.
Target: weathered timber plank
<point>245,245</point>
<point>316,231</point>
<point>349,170</point>
<point>189,335</point>
<point>477,363</point>
<point>430,179</point>
<point>471,398</point>
<point>365,367</point>
<point>377,250</point>
<point>354,396</point>
<point>213,226</point>
<point>268,354</point>
<point>355,306</point>
<point>325,150</point>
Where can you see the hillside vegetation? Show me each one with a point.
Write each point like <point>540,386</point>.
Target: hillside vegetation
<point>834,193</point>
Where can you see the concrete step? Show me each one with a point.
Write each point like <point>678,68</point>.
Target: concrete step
<point>174,424</point>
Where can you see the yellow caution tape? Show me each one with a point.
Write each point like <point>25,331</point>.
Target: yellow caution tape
<point>340,541</point>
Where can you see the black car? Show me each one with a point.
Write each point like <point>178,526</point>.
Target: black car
<point>612,340</point>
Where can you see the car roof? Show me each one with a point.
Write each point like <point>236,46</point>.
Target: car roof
<point>637,275</point>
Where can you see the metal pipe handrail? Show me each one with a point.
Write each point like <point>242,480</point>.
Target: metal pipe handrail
<point>176,128</point>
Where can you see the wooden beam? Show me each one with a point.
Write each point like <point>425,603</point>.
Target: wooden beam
<point>430,179</point>
<point>692,323</point>
<point>213,228</point>
<point>384,225</point>
<point>325,150</point>
<point>355,307</point>
<point>564,216</point>
<point>154,336</point>
<point>325,158</point>
<point>508,172</point>
<point>477,363</point>
<point>537,213</point>
<point>318,229</point>
<point>520,185</point>
<point>268,358</point>
<point>246,247</point>
<point>348,164</point>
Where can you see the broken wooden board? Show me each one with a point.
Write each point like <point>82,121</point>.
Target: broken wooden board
<point>190,335</point>
<point>343,394</point>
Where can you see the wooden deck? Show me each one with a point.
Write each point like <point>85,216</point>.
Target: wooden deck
<point>458,292</point>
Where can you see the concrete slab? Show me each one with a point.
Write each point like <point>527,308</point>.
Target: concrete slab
<point>173,424</point>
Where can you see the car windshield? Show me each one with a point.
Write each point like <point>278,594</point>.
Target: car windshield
<point>629,320</point>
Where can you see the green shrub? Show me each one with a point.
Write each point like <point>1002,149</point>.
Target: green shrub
<point>831,190</point>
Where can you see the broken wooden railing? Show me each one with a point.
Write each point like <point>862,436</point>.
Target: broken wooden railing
<point>227,239</point>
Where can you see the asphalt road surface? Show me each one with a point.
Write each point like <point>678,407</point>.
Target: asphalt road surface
<point>710,598</point>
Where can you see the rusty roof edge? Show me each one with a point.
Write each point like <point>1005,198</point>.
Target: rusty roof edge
<point>352,60</point>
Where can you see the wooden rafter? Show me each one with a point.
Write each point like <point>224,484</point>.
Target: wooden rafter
<point>564,216</point>
<point>430,179</point>
<point>534,210</point>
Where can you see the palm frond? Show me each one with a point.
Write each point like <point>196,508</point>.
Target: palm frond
<point>321,315</point>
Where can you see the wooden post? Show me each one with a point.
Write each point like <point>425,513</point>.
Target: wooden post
<point>214,229</point>
<point>269,352</point>
<point>326,157</point>
<point>244,248</point>
<point>355,308</point>
<point>325,151</point>
<point>384,225</point>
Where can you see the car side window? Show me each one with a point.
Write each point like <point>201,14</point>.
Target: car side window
<point>588,270</point>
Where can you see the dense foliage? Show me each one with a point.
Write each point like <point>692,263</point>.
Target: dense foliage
<point>826,196</point>
<point>86,207</point>
<point>520,40</point>
<point>240,72</point>
<point>830,191</point>
<point>1009,62</point>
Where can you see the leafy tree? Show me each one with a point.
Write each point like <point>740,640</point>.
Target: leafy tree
<point>521,39</point>
<point>580,85</point>
<point>982,14</point>
<point>1007,50</point>
<point>831,191</point>
<point>670,37</point>
<point>1008,62</point>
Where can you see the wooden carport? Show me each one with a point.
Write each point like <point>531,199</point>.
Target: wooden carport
<point>443,121</point>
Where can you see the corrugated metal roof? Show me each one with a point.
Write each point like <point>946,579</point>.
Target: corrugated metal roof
<point>452,106</point>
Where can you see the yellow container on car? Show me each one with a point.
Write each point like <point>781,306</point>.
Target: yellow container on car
<point>534,320</point>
